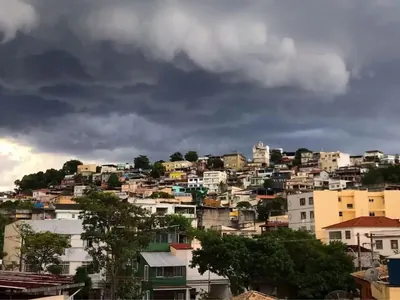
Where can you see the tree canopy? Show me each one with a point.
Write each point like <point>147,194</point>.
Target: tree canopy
<point>267,208</point>
<point>157,169</point>
<point>142,162</point>
<point>41,251</point>
<point>113,181</point>
<point>293,262</point>
<point>71,167</point>
<point>243,204</point>
<point>297,157</point>
<point>375,175</point>
<point>215,163</point>
<point>276,156</point>
<point>191,156</point>
<point>116,230</point>
<point>176,156</point>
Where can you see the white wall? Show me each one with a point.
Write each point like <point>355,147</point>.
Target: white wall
<point>67,214</point>
<point>295,210</point>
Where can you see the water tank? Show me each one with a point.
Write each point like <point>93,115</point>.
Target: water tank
<point>394,270</point>
<point>38,205</point>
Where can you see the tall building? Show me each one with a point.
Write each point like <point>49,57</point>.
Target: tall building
<point>330,161</point>
<point>234,161</point>
<point>261,154</point>
<point>315,210</point>
<point>213,179</point>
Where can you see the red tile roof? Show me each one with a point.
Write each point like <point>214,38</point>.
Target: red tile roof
<point>181,246</point>
<point>367,222</point>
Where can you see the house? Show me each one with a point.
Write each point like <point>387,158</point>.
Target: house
<point>36,194</point>
<point>337,184</point>
<point>167,275</point>
<point>383,232</point>
<point>213,179</point>
<point>253,295</point>
<point>235,161</point>
<point>388,159</point>
<point>73,258</point>
<point>356,160</point>
<point>177,175</point>
<point>373,155</point>
<point>79,190</point>
<point>315,210</point>
<point>181,165</point>
<point>194,181</point>
<point>110,168</point>
<point>330,161</point>
<point>89,168</point>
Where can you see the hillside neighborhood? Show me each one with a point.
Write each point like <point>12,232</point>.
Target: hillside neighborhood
<point>196,227</point>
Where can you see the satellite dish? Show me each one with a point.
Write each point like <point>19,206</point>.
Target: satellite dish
<point>339,295</point>
<point>372,274</point>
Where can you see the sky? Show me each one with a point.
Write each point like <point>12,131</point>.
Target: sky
<point>105,81</point>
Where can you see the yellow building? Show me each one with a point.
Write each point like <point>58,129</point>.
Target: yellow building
<point>235,161</point>
<point>177,175</point>
<point>171,166</point>
<point>315,210</point>
<point>87,168</point>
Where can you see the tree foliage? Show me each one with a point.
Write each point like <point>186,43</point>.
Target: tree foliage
<point>41,251</point>
<point>293,262</point>
<point>390,174</point>
<point>116,230</point>
<point>113,181</point>
<point>268,183</point>
<point>176,156</point>
<point>267,208</point>
<point>142,162</point>
<point>276,156</point>
<point>243,204</point>
<point>191,156</point>
<point>215,164</point>
<point>82,276</point>
<point>71,167</point>
<point>297,156</point>
<point>39,180</point>
<point>160,194</point>
<point>157,169</point>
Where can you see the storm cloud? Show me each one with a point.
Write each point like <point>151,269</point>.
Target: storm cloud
<point>109,80</point>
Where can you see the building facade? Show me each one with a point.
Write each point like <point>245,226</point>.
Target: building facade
<point>86,168</point>
<point>213,179</point>
<point>261,154</point>
<point>171,166</point>
<point>330,161</point>
<point>234,161</point>
<point>194,181</point>
<point>315,210</point>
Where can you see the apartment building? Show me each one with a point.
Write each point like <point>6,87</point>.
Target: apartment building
<point>330,161</point>
<point>212,180</point>
<point>356,160</point>
<point>89,168</point>
<point>79,190</point>
<point>315,210</point>
<point>235,161</point>
<point>73,258</point>
<point>373,155</point>
<point>261,154</point>
<point>382,231</point>
<point>194,181</point>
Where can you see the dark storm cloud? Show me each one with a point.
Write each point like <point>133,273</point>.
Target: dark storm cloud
<point>100,78</point>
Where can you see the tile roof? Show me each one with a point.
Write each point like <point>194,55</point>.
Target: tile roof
<point>367,222</point>
<point>181,246</point>
<point>253,295</point>
<point>162,259</point>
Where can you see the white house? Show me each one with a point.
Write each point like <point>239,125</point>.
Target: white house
<point>330,161</point>
<point>212,180</point>
<point>301,211</point>
<point>73,258</point>
<point>261,154</point>
<point>384,233</point>
<point>373,155</point>
<point>337,184</point>
<point>194,181</point>
<point>79,190</point>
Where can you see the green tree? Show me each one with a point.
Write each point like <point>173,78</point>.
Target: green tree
<point>293,262</point>
<point>191,156</point>
<point>176,156</point>
<point>71,167</point>
<point>117,230</point>
<point>215,164</point>
<point>390,175</point>
<point>41,251</point>
<point>159,194</point>
<point>274,207</point>
<point>113,181</point>
<point>157,170</point>
<point>142,162</point>
<point>297,156</point>
<point>276,156</point>
<point>82,276</point>
<point>243,204</point>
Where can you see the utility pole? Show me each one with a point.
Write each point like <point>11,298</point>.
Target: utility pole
<point>372,248</point>
<point>358,252</point>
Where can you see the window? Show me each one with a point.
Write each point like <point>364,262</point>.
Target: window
<point>371,200</point>
<point>371,214</point>
<point>146,273</point>
<point>180,296</point>
<point>335,235</point>
<point>146,295</point>
<point>73,216</point>
<point>340,214</point>
<point>349,205</point>
<point>312,229</point>
<point>378,244</point>
<point>302,201</point>
<point>339,199</point>
<point>88,243</point>
<point>347,234</point>
<point>64,267</point>
<point>169,272</point>
<point>394,244</point>
<point>312,215</point>
<point>161,210</point>
<point>311,201</point>
<point>88,266</point>
<point>303,215</point>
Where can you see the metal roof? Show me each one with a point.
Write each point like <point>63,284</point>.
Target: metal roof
<point>162,259</point>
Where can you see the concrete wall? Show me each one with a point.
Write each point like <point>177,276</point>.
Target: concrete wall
<point>214,216</point>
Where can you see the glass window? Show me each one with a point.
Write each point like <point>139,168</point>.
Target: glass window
<point>348,234</point>
<point>302,201</point>
<point>335,235</point>
<point>303,215</point>
<point>349,205</point>
<point>339,199</point>
<point>394,244</point>
<point>371,214</point>
<point>340,214</point>
<point>159,272</point>
<point>64,267</point>
<point>379,244</point>
<point>312,214</point>
<point>311,201</point>
<point>146,273</point>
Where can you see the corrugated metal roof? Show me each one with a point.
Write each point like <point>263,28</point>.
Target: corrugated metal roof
<point>162,259</point>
